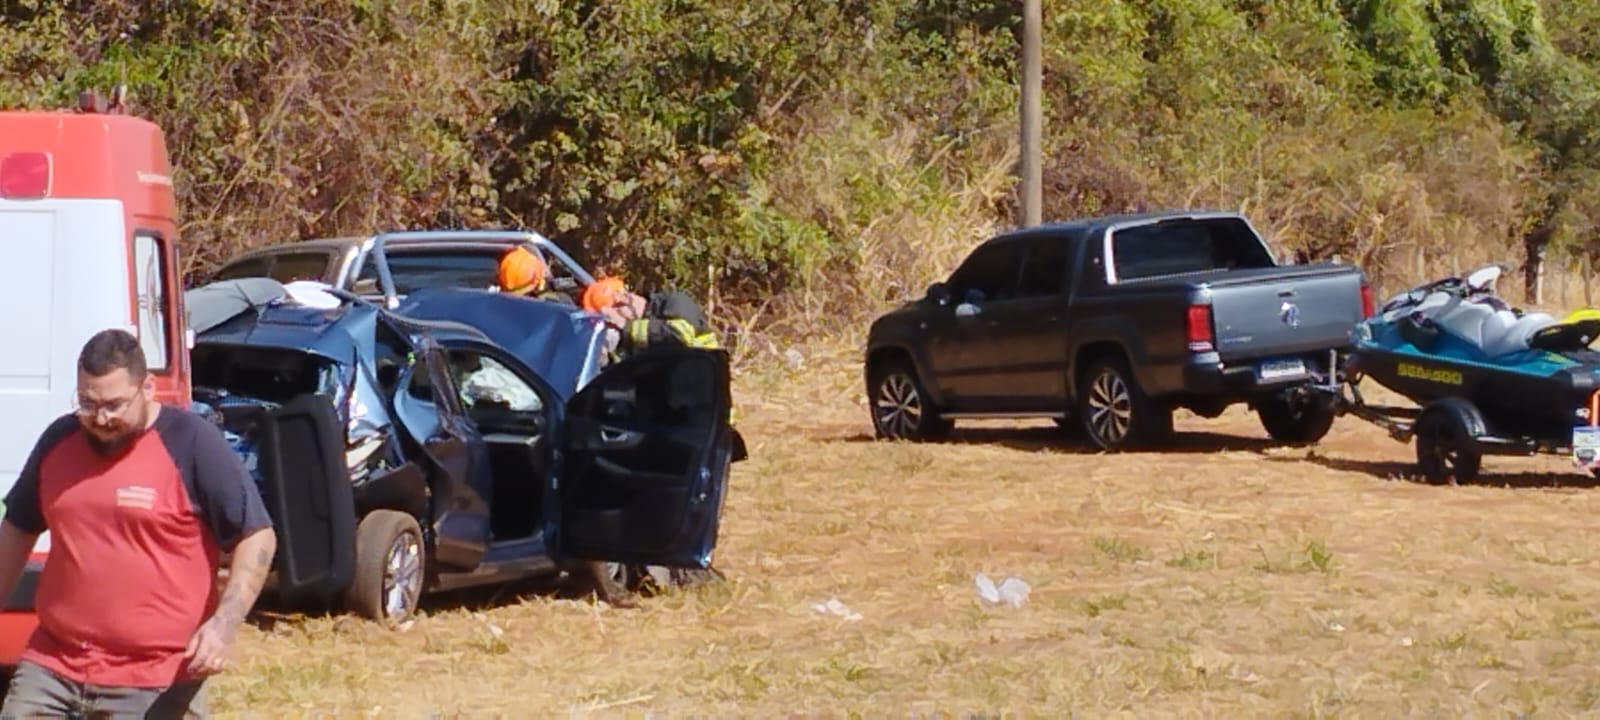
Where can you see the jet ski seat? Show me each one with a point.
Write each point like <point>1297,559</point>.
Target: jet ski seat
<point>1568,335</point>
<point>1494,331</point>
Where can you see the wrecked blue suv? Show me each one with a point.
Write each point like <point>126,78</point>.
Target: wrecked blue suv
<point>463,438</point>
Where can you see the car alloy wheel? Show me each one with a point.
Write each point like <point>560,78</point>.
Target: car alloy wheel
<point>619,573</point>
<point>1110,407</point>
<point>402,577</point>
<point>391,568</point>
<point>899,406</point>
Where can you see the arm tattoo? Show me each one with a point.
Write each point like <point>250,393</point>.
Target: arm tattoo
<point>246,574</point>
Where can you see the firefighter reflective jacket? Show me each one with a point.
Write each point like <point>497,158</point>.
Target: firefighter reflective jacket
<point>670,316</point>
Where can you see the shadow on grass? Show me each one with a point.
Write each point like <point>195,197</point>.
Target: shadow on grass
<point>1407,472</point>
<point>1034,439</point>
<point>270,612</point>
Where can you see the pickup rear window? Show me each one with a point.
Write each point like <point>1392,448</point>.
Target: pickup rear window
<point>1178,247</point>
<point>413,269</point>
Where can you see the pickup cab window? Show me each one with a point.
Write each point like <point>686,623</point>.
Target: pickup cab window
<point>283,267</point>
<point>988,274</point>
<point>1044,270</point>
<point>1186,246</point>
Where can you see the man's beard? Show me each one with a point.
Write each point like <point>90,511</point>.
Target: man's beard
<point>117,443</point>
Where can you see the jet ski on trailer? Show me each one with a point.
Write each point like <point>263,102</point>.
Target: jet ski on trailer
<point>1488,379</point>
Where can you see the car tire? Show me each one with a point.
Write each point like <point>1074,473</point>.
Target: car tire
<point>658,579</point>
<point>1114,411</point>
<point>899,403</point>
<point>1447,450</point>
<point>1295,420</point>
<point>613,583</point>
<point>391,568</point>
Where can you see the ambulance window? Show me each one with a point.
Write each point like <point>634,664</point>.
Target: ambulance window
<point>150,263</point>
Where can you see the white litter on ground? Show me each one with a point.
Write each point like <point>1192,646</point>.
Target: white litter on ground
<point>1011,591</point>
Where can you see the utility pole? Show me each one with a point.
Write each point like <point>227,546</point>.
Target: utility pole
<point>1032,117</point>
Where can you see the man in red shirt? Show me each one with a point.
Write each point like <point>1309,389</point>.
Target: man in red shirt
<point>139,499</point>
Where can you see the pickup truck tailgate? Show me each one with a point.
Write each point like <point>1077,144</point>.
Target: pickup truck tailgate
<point>1285,310</point>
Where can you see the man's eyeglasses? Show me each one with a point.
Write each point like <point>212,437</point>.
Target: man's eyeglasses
<point>88,408</point>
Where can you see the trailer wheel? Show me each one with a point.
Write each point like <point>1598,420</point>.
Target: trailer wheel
<point>1447,450</point>
<point>1296,419</point>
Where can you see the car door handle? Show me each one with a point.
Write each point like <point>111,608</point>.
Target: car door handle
<point>614,437</point>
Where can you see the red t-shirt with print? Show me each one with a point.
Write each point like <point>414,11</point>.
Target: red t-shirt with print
<point>134,550</point>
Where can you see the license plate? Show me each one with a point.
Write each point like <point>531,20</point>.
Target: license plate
<point>1586,446</point>
<point>1280,369</point>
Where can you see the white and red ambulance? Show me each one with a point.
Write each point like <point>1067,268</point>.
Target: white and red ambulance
<point>88,240</point>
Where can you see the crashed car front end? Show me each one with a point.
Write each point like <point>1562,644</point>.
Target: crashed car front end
<point>249,363</point>
<point>365,421</point>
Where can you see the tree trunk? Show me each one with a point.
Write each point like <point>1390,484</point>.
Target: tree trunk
<point>1588,290</point>
<point>1534,246</point>
<point>1564,273</point>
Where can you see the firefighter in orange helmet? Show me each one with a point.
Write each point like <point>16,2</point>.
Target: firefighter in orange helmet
<point>523,272</point>
<point>668,316</point>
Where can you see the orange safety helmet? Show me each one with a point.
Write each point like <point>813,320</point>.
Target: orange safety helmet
<point>603,293</point>
<point>521,271</point>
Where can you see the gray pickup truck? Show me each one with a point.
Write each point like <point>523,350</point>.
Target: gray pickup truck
<point>389,265</point>
<point>1114,322</point>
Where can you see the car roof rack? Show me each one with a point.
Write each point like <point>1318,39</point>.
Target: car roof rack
<point>391,298</point>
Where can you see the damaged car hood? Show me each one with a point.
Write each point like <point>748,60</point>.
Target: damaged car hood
<point>232,313</point>
<point>563,344</point>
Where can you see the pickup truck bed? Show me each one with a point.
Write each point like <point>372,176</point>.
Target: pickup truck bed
<point>1116,321</point>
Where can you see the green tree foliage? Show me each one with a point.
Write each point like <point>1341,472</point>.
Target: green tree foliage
<point>840,154</point>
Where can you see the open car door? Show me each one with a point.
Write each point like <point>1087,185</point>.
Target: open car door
<point>647,446</point>
<point>308,496</point>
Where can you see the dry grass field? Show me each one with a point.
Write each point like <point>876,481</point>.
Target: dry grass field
<point>1223,578</point>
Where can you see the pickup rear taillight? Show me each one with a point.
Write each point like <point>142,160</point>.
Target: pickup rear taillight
<point>1368,304</point>
<point>1200,337</point>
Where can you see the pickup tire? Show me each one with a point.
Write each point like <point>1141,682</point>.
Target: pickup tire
<point>1115,412</point>
<point>1296,418</point>
<point>901,408</point>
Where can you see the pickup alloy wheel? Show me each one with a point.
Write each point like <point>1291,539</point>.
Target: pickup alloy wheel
<point>1110,408</point>
<point>1115,411</point>
<point>900,410</point>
